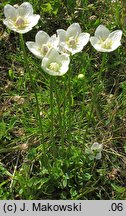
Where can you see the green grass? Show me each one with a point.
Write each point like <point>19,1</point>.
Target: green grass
<point>83,111</point>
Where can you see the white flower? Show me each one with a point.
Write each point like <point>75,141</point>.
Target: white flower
<point>96,149</point>
<point>72,40</point>
<point>55,64</point>
<point>43,43</point>
<point>21,18</point>
<point>104,41</point>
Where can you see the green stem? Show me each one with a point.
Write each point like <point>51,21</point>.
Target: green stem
<point>52,114</point>
<point>64,107</point>
<point>34,89</point>
<point>70,102</point>
<point>95,95</point>
<point>6,150</point>
<point>123,14</point>
<point>59,114</point>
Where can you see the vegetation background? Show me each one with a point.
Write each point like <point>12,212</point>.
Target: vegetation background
<point>69,171</point>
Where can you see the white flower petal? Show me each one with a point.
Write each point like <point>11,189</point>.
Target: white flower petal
<point>25,9</point>
<point>61,48</point>
<point>73,30</point>
<point>101,49</point>
<point>82,40</point>
<point>96,146</point>
<point>34,49</point>
<point>102,32</point>
<point>115,46</point>
<point>8,23</point>
<point>65,64</point>
<point>54,40</point>
<point>41,38</point>
<point>45,64</point>
<point>61,34</point>
<point>22,31</point>
<point>68,49</point>
<point>53,55</point>
<point>33,20</point>
<point>95,42</point>
<point>98,156</point>
<point>115,36</point>
<point>10,12</point>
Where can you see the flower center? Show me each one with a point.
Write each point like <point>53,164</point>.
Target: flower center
<point>72,42</point>
<point>54,66</point>
<point>107,44</point>
<point>20,23</point>
<point>44,49</point>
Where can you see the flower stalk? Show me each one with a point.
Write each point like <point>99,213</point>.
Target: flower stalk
<point>95,95</point>
<point>123,14</point>
<point>52,116</point>
<point>34,89</point>
<point>59,114</point>
<point>69,105</point>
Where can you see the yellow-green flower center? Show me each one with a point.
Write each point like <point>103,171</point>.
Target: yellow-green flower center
<point>20,23</point>
<point>107,44</point>
<point>54,66</point>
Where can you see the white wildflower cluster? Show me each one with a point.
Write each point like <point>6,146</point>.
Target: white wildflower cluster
<point>94,151</point>
<point>55,51</point>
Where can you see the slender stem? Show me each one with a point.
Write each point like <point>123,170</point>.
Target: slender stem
<point>15,169</point>
<point>64,107</point>
<point>52,114</point>
<point>95,95</point>
<point>124,14</point>
<point>70,102</point>
<point>83,104</point>
<point>59,114</point>
<point>34,89</point>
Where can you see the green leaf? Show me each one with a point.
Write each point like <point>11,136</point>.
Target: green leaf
<point>118,189</point>
<point>12,123</point>
<point>47,7</point>
<point>4,171</point>
<point>11,74</point>
<point>87,176</point>
<point>2,129</point>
